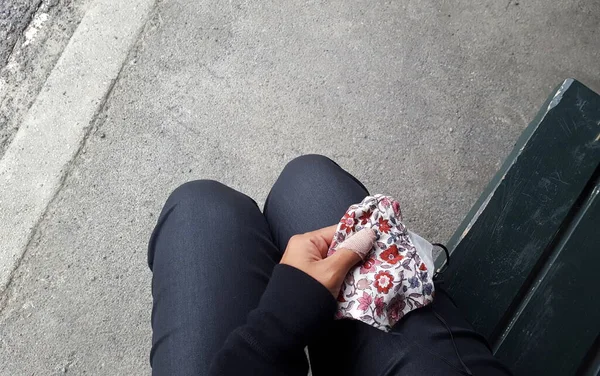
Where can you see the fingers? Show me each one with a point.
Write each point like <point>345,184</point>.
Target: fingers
<point>320,244</point>
<point>308,253</point>
<point>322,238</point>
<point>361,242</point>
<point>326,233</point>
<point>342,261</point>
<point>351,251</point>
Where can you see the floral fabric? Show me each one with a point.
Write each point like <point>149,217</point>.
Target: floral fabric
<point>395,277</point>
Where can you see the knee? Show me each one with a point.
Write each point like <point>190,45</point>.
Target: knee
<point>308,163</point>
<point>208,197</point>
<point>198,191</point>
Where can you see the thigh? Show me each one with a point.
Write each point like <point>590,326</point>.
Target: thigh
<point>211,255</point>
<point>311,192</point>
<point>434,340</point>
<point>442,337</point>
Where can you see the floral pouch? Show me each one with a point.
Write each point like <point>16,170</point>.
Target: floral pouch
<point>395,277</point>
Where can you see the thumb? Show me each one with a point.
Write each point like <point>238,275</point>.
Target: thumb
<point>352,250</point>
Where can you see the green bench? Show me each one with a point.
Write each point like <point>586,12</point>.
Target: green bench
<point>525,262</point>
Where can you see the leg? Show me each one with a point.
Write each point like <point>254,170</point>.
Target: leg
<point>211,255</point>
<point>314,192</point>
<point>434,340</point>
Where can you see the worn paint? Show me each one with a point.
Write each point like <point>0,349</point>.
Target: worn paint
<point>549,320</point>
<point>559,93</point>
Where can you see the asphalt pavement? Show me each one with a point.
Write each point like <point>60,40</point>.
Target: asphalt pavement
<point>421,100</point>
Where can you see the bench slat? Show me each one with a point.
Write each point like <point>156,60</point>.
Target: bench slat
<point>506,237</point>
<point>557,324</point>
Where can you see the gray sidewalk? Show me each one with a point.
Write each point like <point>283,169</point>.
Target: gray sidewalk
<point>421,100</point>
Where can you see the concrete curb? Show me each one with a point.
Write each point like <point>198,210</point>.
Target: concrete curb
<point>53,131</point>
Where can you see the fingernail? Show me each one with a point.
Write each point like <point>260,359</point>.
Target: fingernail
<point>360,243</point>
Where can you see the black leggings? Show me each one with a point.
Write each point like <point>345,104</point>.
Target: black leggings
<point>213,251</point>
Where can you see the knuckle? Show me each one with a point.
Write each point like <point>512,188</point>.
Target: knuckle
<point>295,239</point>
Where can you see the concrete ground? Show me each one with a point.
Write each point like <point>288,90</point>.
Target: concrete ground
<point>33,34</point>
<point>421,100</point>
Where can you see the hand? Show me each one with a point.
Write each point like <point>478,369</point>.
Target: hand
<point>308,253</point>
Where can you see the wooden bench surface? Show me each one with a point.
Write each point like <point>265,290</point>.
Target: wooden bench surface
<point>524,262</point>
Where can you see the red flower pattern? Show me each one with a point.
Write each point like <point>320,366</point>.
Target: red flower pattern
<point>391,255</point>
<point>396,309</point>
<point>384,226</point>
<point>379,306</point>
<point>385,202</point>
<point>364,218</point>
<point>396,208</point>
<point>384,281</point>
<point>369,265</point>
<point>393,280</point>
<point>347,222</point>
